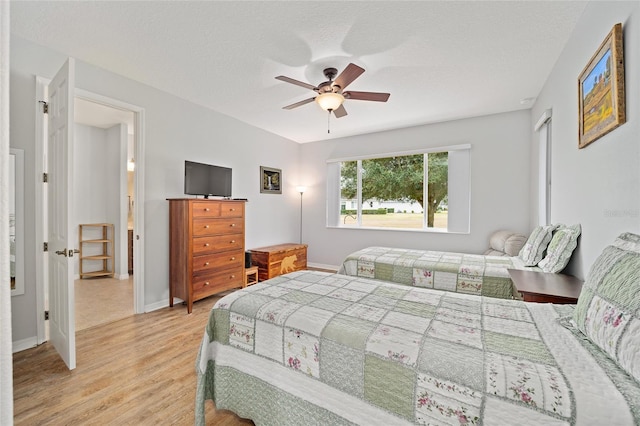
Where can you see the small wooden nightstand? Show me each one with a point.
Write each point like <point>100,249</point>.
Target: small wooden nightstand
<point>250,276</point>
<point>543,287</point>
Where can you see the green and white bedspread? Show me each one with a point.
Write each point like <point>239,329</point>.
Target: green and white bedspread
<point>316,348</point>
<point>457,272</point>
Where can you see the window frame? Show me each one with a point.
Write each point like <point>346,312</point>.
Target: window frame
<point>462,225</point>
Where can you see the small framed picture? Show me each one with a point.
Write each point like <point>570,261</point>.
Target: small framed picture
<point>601,98</point>
<point>270,180</point>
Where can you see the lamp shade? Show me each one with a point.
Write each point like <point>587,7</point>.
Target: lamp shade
<point>330,101</point>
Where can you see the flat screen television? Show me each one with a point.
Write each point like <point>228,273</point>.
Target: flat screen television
<point>206,180</point>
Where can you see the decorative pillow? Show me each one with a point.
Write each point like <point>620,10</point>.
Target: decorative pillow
<point>608,309</point>
<point>533,250</point>
<point>505,243</point>
<point>561,247</point>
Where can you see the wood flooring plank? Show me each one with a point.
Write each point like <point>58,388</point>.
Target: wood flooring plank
<point>135,371</point>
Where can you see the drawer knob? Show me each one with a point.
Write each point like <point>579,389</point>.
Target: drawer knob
<point>206,263</point>
<point>232,276</point>
<point>206,209</point>
<point>206,245</point>
<point>233,241</point>
<point>206,227</point>
<point>206,283</point>
<point>233,258</point>
<point>233,225</point>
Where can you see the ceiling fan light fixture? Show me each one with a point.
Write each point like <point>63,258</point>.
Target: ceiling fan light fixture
<point>329,101</point>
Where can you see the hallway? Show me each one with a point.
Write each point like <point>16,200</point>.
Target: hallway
<point>102,300</point>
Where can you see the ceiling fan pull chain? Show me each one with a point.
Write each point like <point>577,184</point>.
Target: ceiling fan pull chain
<point>328,121</point>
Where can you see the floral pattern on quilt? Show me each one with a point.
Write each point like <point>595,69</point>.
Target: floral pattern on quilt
<point>608,310</point>
<point>443,401</point>
<point>427,357</point>
<point>455,272</point>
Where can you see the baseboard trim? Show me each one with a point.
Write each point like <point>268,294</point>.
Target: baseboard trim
<point>24,344</point>
<point>323,266</point>
<point>155,306</point>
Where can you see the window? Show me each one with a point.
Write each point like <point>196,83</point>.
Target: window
<point>425,190</point>
<point>543,127</point>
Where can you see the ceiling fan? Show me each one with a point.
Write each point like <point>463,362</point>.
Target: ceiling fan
<point>331,93</point>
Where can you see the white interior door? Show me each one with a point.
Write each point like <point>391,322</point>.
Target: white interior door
<point>60,187</point>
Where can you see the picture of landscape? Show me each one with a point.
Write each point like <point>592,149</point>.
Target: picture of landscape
<point>601,98</point>
<point>598,97</point>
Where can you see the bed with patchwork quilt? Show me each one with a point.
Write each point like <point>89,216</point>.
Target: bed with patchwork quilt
<point>456,272</point>
<point>318,348</point>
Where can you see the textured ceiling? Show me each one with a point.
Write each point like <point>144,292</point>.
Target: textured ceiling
<point>440,60</point>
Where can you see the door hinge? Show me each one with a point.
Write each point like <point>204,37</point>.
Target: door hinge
<point>45,246</point>
<point>45,177</point>
<point>46,315</point>
<point>45,107</point>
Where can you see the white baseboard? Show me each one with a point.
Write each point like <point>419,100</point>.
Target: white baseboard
<point>323,266</point>
<point>157,305</point>
<point>121,276</point>
<point>24,344</point>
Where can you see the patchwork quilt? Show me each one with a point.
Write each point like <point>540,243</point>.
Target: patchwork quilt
<point>457,272</point>
<point>316,348</point>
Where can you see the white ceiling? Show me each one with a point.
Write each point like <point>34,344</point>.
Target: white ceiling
<point>440,60</point>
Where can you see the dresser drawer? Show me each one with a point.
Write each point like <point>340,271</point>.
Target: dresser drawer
<point>213,243</point>
<point>205,226</point>
<point>207,285</point>
<point>216,261</point>
<point>232,210</point>
<point>205,209</point>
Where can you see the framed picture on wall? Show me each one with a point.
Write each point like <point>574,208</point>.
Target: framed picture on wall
<point>601,97</point>
<point>270,180</point>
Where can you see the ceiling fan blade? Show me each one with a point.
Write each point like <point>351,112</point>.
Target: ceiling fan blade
<point>340,111</point>
<point>297,104</point>
<point>350,73</point>
<point>296,82</point>
<point>367,96</point>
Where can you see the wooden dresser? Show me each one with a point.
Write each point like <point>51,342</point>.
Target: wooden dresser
<point>279,259</point>
<point>206,248</point>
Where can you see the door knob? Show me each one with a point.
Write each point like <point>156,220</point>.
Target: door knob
<point>62,252</point>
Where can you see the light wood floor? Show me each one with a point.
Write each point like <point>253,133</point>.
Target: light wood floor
<point>139,370</point>
<point>102,300</point>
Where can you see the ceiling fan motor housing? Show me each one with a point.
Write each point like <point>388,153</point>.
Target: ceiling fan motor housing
<point>328,87</point>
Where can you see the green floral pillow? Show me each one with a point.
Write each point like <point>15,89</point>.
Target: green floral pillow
<point>533,250</point>
<point>608,309</point>
<point>561,247</point>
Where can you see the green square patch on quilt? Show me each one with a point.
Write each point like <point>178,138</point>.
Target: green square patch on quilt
<point>389,385</point>
<point>534,350</point>
<point>349,331</point>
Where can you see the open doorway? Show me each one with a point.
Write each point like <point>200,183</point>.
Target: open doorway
<point>104,200</point>
<point>131,187</point>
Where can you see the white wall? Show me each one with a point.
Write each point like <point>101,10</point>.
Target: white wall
<point>94,193</point>
<point>176,130</point>
<point>499,184</point>
<point>597,186</point>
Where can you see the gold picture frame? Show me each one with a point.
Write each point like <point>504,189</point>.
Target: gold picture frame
<point>270,180</point>
<point>601,96</point>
